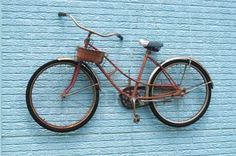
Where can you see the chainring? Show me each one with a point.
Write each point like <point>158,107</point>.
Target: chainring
<point>125,101</point>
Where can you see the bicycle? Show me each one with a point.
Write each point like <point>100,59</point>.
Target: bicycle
<point>62,95</point>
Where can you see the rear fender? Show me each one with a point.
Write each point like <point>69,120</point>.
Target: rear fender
<point>191,60</point>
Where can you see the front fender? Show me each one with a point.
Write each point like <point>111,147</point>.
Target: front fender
<point>93,74</point>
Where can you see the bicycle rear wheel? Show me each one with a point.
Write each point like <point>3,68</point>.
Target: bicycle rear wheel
<point>60,113</point>
<point>183,110</point>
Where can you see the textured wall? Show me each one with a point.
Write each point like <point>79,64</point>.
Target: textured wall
<point>1,76</point>
<point>32,34</point>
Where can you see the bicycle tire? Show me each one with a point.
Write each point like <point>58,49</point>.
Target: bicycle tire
<point>167,113</point>
<point>50,80</point>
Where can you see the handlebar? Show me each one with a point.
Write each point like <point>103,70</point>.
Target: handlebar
<point>60,14</point>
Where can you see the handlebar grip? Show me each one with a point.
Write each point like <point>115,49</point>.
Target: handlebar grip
<point>120,36</point>
<point>62,14</point>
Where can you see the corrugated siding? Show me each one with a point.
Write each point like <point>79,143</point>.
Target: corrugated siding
<point>32,34</point>
<point>1,76</point>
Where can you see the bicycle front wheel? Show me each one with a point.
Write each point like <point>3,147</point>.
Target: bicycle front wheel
<point>183,110</point>
<point>60,113</point>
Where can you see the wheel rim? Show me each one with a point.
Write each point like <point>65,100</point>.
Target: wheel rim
<point>188,108</point>
<point>50,108</point>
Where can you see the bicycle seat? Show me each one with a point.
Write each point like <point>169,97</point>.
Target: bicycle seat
<point>151,45</point>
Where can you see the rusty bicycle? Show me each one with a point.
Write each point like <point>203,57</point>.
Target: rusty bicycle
<point>62,95</point>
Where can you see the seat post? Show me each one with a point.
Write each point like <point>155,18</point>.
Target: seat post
<point>148,52</point>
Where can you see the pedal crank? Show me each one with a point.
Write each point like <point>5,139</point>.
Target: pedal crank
<point>136,117</point>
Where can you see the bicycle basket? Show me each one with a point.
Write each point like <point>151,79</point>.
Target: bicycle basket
<point>89,55</point>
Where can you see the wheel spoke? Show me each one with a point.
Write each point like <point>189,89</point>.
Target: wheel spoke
<point>183,75</point>
<point>188,90</point>
<point>80,90</point>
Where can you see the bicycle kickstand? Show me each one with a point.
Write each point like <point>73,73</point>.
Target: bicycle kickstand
<point>136,117</point>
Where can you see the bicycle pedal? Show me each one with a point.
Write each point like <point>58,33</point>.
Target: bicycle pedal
<point>136,118</point>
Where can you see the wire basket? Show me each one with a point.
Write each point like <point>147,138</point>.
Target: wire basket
<point>89,55</point>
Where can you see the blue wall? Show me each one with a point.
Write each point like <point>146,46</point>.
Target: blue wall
<point>32,34</point>
<point>1,75</point>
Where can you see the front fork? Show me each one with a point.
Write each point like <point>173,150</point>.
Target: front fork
<point>76,70</point>
<point>73,80</point>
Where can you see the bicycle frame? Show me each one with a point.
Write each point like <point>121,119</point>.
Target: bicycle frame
<point>172,85</point>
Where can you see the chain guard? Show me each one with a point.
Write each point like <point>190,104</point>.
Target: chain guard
<point>125,101</point>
